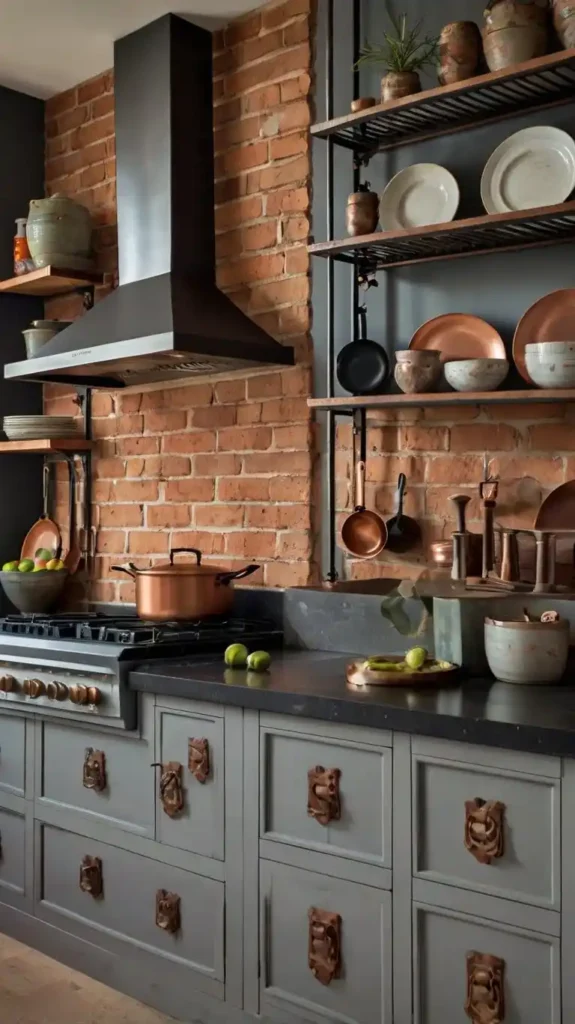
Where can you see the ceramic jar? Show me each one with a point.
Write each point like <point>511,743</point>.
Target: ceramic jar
<point>59,233</point>
<point>564,21</point>
<point>416,372</point>
<point>362,211</point>
<point>527,652</point>
<point>514,31</point>
<point>459,51</point>
<point>399,83</point>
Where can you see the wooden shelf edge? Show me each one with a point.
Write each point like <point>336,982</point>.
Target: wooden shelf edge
<point>51,281</point>
<point>67,444</point>
<point>448,398</point>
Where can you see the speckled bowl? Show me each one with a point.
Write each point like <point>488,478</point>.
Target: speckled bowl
<point>551,364</point>
<point>527,652</point>
<point>476,374</point>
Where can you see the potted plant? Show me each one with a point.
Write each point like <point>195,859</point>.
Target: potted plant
<point>405,51</point>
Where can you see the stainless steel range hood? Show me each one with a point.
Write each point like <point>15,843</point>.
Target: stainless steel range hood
<point>167,319</point>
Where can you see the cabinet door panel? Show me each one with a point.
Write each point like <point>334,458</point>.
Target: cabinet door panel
<point>12,754</point>
<point>12,857</point>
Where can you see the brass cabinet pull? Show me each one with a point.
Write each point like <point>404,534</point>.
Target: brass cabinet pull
<point>168,911</point>
<point>324,945</point>
<point>94,772</point>
<point>91,878</point>
<point>323,800</point>
<point>199,759</point>
<point>171,787</point>
<point>485,1002</point>
<point>484,829</point>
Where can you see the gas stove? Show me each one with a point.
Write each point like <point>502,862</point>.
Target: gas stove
<point>76,665</point>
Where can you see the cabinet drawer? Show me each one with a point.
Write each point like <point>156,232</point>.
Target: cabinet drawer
<point>12,858</point>
<point>363,828</point>
<point>360,990</point>
<point>126,908</point>
<point>509,848</point>
<point>454,954</point>
<point>67,780</point>
<point>12,754</point>
<point>199,825</point>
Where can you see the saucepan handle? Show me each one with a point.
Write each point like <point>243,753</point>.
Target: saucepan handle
<point>225,578</point>
<point>185,551</point>
<point>129,569</point>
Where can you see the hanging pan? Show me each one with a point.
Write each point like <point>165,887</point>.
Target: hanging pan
<point>403,532</point>
<point>45,533</point>
<point>364,532</point>
<point>363,365</point>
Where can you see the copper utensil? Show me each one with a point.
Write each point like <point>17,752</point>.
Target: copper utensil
<point>364,532</point>
<point>509,570</point>
<point>557,512</point>
<point>459,336</point>
<point>551,318</point>
<point>488,493</point>
<point>74,554</point>
<point>44,533</point>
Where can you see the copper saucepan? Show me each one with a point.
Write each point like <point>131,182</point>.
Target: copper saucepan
<point>188,590</point>
<point>364,532</point>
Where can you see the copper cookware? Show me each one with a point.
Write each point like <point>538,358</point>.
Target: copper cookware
<point>459,336</point>
<point>364,532</point>
<point>187,590</point>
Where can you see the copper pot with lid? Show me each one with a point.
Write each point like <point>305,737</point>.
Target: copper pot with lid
<point>185,590</point>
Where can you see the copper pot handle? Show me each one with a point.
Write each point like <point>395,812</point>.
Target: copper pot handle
<point>224,578</point>
<point>360,486</point>
<point>186,551</point>
<point>485,1002</point>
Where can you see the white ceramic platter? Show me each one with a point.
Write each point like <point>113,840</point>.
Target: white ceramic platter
<point>419,195</point>
<point>534,167</point>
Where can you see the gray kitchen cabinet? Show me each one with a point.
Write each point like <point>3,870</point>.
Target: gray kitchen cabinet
<point>198,824</point>
<point>13,750</point>
<point>13,858</point>
<point>303,915</point>
<point>357,823</point>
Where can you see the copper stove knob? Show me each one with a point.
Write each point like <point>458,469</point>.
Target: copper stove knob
<point>34,688</point>
<point>94,695</point>
<point>56,691</point>
<point>7,684</point>
<point>79,694</point>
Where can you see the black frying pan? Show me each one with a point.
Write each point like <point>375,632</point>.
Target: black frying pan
<point>363,365</point>
<point>403,532</point>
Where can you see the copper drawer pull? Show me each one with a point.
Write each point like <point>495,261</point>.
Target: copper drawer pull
<point>168,911</point>
<point>324,945</point>
<point>199,759</point>
<point>485,1002</point>
<point>171,787</point>
<point>323,799</point>
<point>94,773</point>
<point>484,829</point>
<point>91,877</point>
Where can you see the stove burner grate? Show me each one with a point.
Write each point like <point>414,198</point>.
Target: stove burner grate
<point>131,631</point>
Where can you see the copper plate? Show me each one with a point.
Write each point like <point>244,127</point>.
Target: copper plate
<point>551,318</point>
<point>459,336</point>
<point>558,510</point>
<point>358,676</point>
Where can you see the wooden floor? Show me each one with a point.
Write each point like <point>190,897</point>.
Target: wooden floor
<point>37,990</point>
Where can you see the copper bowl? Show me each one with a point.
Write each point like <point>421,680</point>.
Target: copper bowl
<point>441,554</point>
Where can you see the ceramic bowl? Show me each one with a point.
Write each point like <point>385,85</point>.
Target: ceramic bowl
<point>32,592</point>
<point>551,364</point>
<point>417,372</point>
<point>527,652</point>
<point>476,374</point>
<point>51,325</point>
<point>35,339</point>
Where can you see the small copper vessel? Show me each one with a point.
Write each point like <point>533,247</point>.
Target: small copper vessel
<point>362,211</point>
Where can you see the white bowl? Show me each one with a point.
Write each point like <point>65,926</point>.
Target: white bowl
<point>527,652</point>
<point>476,374</point>
<point>551,364</point>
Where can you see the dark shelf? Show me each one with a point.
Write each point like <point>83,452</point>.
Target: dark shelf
<point>525,229</point>
<point>535,85</point>
<point>448,398</point>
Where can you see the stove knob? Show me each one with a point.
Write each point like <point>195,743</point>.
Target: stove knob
<point>79,694</point>
<point>56,691</point>
<point>8,683</point>
<point>94,695</point>
<point>34,688</point>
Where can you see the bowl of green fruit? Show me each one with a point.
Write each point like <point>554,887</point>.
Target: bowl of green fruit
<point>34,585</point>
<point>414,668</point>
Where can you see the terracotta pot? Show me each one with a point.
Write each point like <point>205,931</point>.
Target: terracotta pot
<point>513,33</point>
<point>363,103</point>
<point>362,211</point>
<point>564,21</point>
<point>59,233</point>
<point>183,592</point>
<point>399,83</point>
<point>417,372</point>
<point>459,51</point>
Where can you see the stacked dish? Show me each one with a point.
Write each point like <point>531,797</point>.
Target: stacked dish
<point>34,428</point>
<point>544,342</point>
<point>420,195</point>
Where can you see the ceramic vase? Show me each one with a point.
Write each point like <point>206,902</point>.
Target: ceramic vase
<point>399,83</point>
<point>564,21</point>
<point>59,233</point>
<point>514,31</point>
<point>459,51</point>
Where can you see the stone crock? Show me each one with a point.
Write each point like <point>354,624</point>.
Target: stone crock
<point>59,233</point>
<point>527,652</point>
<point>514,31</point>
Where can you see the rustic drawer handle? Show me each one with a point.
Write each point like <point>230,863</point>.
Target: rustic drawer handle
<point>485,1003</point>
<point>94,773</point>
<point>168,911</point>
<point>171,787</point>
<point>323,799</point>
<point>199,759</point>
<point>324,945</point>
<point>91,877</point>
<point>484,831</point>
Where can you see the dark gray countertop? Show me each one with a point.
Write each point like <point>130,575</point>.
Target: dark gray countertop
<point>312,684</point>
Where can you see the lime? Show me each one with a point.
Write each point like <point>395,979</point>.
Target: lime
<point>26,565</point>
<point>256,680</point>
<point>44,554</point>
<point>10,567</point>
<point>236,656</point>
<point>259,661</point>
<point>415,658</point>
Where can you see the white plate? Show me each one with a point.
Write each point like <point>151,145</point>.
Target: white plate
<point>534,167</point>
<point>419,195</point>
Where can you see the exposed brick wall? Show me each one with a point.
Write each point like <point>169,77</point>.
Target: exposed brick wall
<point>226,465</point>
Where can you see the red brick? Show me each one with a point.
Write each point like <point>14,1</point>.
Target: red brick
<point>109,469</point>
<point>135,490</point>
<point>266,71</point>
<point>288,146</point>
<point>294,116</point>
<point>148,542</point>
<point>121,515</point>
<point>260,46</point>
<point>111,542</point>
<point>230,391</point>
<point>216,465</point>
<point>295,88</point>
<point>195,490</point>
<point>269,385</point>
<point>292,437</point>
<point>247,270</point>
<point>185,398</point>
<point>138,445</point>
<point>239,488</point>
<point>282,174</point>
<point>278,463</point>
<point>102,404</point>
<point>548,471</point>
<point>438,503</point>
<point>242,28</point>
<point>296,32</point>
<point>285,410</point>
<point>173,465</point>
<point>243,158</point>
<point>95,87</point>
<point>260,544</point>
<point>287,201</point>
<point>209,543</point>
<point>194,441</point>
<point>219,515</point>
<point>297,488</point>
<point>92,132</point>
<point>238,213</point>
<point>266,296</point>
<point>297,261</point>
<point>214,416</point>
<point>282,13</point>
<point>238,439</point>
<point>168,516</point>
<point>72,119</point>
<point>63,101</point>
<point>551,437</point>
<point>258,100</point>
<point>423,439</point>
<point>163,422</point>
<point>294,545</point>
<point>234,133</point>
<point>281,574</point>
<point>249,413</point>
<point>103,105</point>
<point>482,437</point>
<point>454,469</point>
<point>128,424</point>
<point>278,517</point>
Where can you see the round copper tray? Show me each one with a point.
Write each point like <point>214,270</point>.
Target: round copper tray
<point>459,336</point>
<point>551,318</point>
<point>558,510</point>
<point>358,676</point>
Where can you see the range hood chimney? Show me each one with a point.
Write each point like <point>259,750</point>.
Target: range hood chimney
<point>167,320</point>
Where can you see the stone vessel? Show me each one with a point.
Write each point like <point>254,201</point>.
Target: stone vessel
<point>59,233</point>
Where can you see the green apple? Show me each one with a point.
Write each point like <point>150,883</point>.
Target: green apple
<point>26,565</point>
<point>10,567</point>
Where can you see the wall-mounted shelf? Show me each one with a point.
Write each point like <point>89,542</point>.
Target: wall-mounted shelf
<point>448,398</point>
<point>51,281</point>
<point>499,232</point>
<point>535,85</point>
<point>47,445</point>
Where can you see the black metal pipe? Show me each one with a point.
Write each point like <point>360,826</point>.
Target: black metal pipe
<point>356,34</point>
<point>332,574</point>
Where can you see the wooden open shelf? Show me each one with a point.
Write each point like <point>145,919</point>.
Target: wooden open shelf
<point>50,281</point>
<point>449,398</point>
<point>500,232</point>
<point>47,445</point>
<point>535,85</point>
